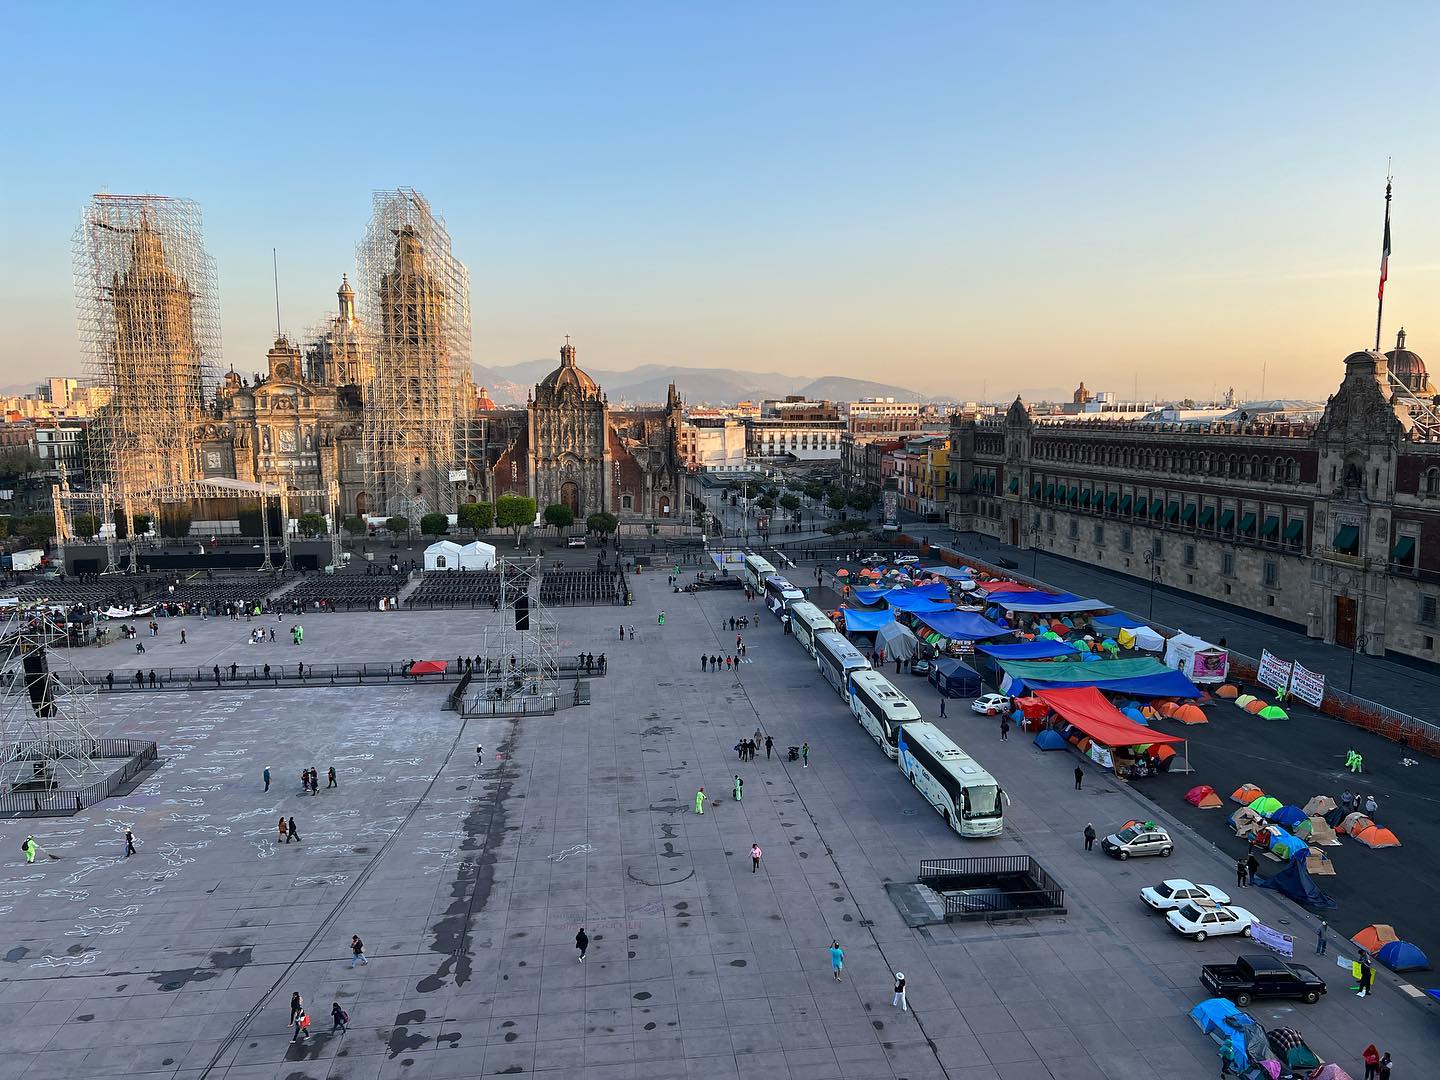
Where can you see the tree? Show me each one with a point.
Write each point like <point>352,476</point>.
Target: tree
<point>17,463</point>
<point>85,526</point>
<point>311,523</point>
<point>514,512</point>
<point>836,500</point>
<point>814,490</point>
<point>790,502</point>
<point>765,502</point>
<point>855,525</point>
<point>354,525</point>
<point>477,517</point>
<point>398,525</point>
<point>559,517</point>
<point>34,529</point>
<point>4,528</point>
<point>143,523</point>
<point>860,500</point>
<point>434,524</point>
<point>601,523</point>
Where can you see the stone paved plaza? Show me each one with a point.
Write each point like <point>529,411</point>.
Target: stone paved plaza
<point>468,884</point>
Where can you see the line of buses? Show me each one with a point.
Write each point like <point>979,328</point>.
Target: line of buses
<point>955,784</point>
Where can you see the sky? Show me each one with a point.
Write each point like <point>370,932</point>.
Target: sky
<point>968,200</point>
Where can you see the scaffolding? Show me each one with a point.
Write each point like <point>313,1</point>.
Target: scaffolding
<point>46,742</point>
<point>149,321</point>
<point>522,651</point>
<point>415,304</point>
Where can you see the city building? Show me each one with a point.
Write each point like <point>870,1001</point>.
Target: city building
<point>801,439</point>
<point>921,470</point>
<point>1330,525</point>
<point>881,417</point>
<point>712,444</point>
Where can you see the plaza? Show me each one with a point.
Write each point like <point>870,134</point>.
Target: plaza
<point>469,882</point>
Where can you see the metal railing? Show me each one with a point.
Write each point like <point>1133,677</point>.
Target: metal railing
<point>476,706</point>
<point>64,802</point>
<point>949,876</point>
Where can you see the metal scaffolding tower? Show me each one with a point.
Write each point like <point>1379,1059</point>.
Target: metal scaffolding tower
<point>522,650</point>
<point>46,742</point>
<point>415,300</point>
<point>149,320</point>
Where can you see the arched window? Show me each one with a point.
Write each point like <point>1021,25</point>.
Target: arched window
<point>1432,481</point>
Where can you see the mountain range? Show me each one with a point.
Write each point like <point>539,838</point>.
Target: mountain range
<point>510,384</point>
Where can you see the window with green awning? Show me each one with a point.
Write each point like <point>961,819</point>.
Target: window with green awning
<point>1035,488</point>
<point>1207,517</point>
<point>1271,528</point>
<point>1074,495</point>
<point>1085,498</point>
<point>1227,519</point>
<point>1125,503</point>
<point>1247,525</point>
<point>1347,539</point>
<point>1189,516</point>
<point>1049,491</point>
<point>1014,485</point>
<point>1295,530</point>
<point>1404,551</point>
<point>1111,501</point>
<point>1172,512</point>
<point>1157,507</point>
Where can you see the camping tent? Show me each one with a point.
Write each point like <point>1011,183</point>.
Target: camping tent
<point>1227,691</point>
<point>1402,956</point>
<point>1319,804</point>
<point>1266,806</point>
<point>1246,822</point>
<point>1197,658</point>
<point>1291,1050</point>
<point>1050,740</point>
<point>1243,699</point>
<point>443,555</point>
<point>1203,797</point>
<point>1140,637</point>
<point>1330,1071</point>
<point>898,641</point>
<point>1353,822</point>
<point>1226,1024</point>
<point>1245,794</point>
<point>1296,883</point>
<point>1190,715</point>
<point>1273,712</point>
<point>954,678</point>
<point>1320,831</point>
<point>478,555</point>
<point>1376,837</point>
<point>1288,816</point>
<point>1289,847</point>
<point>1373,937</point>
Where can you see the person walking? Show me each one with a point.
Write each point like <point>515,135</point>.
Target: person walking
<point>297,1006</point>
<point>739,787</point>
<point>1384,1071</point>
<point>942,706</point>
<point>314,781</point>
<point>754,857</point>
<point>703,661</point>
<point>769,745</point>
<point>1371,805</point>
<point>1252,864</point>
<point>1079,777</point>
<point>294,831</point>
<point>479,753</point>
<point>1321,941</point>
<point>339,1019</point>
<point>129,842</point>
<point>662,616</point>
<point>302,1027</point>
<point>29,847</point>
<point>330,779</point>
<point>182,637</point>
<point>1347,800</point>
<point>837,959</point>
<point>1089,836</point>
<point>283,830</point>
<point>899,998</point>
<point>357,952</point>
<point>1005,730</point>
<point>1242,874</point>
<point>266,775</point>
<point>582,942</point>
<point>622,631</point>
<point>1367,975</point>
<point>805,754</point>
<point>700,798</point>
<point>1371,1057</point>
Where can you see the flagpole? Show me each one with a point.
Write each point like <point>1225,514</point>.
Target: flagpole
<point>1384,268</point>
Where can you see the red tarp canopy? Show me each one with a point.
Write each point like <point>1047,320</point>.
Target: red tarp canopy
<point>428,667</point>
<point>1088,710</point>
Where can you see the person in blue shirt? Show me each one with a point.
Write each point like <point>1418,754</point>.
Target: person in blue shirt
<point>837,959</point>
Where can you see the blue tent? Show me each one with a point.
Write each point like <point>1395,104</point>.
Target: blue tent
<point>908,600</point>
<point>1296,883</point>
<point>1287,817</point>
<point>1402,956</point>
<point>1028,650</point>
<point>954,678</point>
<point>1050,740</point>
<point>863,622</point>
<point>1225,1023</point>
<point>961,625</point>
<point>1135,714</point>
<point>869,596</point>
<point>1117,621</point>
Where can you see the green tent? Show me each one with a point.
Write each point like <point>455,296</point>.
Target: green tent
<point>1244,699</point>
<point>1273,712</point>
<point>1266,805</point>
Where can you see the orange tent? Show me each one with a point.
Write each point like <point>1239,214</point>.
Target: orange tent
<point>1256,705</point>
<point>1354,823</point>
<point>1375,836</point>
<point>1163,754</point>
<point>1203,796</point>
<point>1191,714</point>
<point>1167,708</point>
<point>1245,794</point>
<point>1373,936</point>
<point>1227,691</point>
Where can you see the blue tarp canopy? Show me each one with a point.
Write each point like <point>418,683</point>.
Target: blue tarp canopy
<point>951,572</point>
<point>961,625</point>
<point>1116,621</point>
<point>862,622</point>
<point>955,678</point>
<point>1050,740</point>
<point>1144,676</point>
<point>1028,595</point>
<point>869,596</point>
<point>1402,956</point>
<point>1296,883</point>
<point>1225,1023</point>
<point>1028,650</point>
<point>908,600</point>
<point>935,591</point>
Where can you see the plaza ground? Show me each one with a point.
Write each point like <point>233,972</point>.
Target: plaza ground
<point>468,885</point>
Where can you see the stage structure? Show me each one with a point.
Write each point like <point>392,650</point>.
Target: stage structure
<point>522,650</point>
<point>415,305</point>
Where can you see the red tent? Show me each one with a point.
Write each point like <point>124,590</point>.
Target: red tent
<point>1092,713</point>
<point>428,667</point>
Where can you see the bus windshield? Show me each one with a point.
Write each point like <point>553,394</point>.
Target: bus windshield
<point>982,801</point>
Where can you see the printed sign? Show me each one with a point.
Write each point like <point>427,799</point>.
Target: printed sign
<point>1271,938</point>
<point>1307,686</point>
<point>1274,672</point>
<point>458,476</point>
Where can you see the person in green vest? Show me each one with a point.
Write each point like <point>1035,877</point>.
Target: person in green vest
<point>29,848</point>
<point>700,802</point>
<point>739,788</point>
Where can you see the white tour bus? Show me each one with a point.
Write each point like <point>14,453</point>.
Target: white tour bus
<point>836,658</point>
<point>755,571</point>
<point>780,594</point>
<point>953,782</point>
<point>880,708</point>
<point>807,620</point>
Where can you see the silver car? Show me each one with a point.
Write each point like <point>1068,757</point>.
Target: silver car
<point>1136,839</point>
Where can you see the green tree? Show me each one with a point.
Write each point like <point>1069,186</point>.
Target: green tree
<point>790,502</point>
<point>34,529</point>
<point>855,525</point>
<point>559,517</point>
<point>398,525</point>
<point>4,528</point>
<point>477,517</point>
<point>814,490</point>
<point>311,523</point>
<point>85,526</point>
<point>17,463</point>
<point>765,502</point>
<point>434,524</point>
<point>354,525</point>
<point>515,512</point>
<point>601,523</point>
<point>143,522</point>
<point>836,500</point>
<point>860,500</point>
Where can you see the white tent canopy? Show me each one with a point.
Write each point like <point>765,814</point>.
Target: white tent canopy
<point>477,555</point>
<point>899,642</point>
<point>443,555</point>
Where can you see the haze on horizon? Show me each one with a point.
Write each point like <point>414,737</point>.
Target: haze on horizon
<point>952,198</point>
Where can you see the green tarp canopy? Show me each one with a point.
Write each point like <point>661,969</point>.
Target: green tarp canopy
<point>1125,504</point>
<point>1111,500</point>
<point>1172,512</point>
<point>1014,484</point>
<point>1049,491</point>
<point>1035,488</point>
<point>1157,507</point>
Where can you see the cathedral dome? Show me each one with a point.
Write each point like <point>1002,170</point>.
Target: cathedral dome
<point>568,377</point>
<point>1407,366</point>
<point>484,402</point>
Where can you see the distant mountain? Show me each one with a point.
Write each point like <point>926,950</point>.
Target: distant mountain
<point>510,384</point>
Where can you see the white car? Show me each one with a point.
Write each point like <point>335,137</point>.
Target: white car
<point>990,705</point>
<point>1200,919</point>
<point>905,560</point>
<point>1174,892</point>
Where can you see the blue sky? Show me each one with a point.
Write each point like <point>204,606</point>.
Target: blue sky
<point>955,198</point>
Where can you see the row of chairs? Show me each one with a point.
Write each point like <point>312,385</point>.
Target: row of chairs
<point>470,589</point>
<point>343,592</point>
<point>560,587</point>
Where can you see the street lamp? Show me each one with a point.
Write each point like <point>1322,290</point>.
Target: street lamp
<point>1035,547</point>
<point>1154,577</point>
<point>1361,640</point>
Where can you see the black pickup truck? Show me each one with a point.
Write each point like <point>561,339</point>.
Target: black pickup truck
<point>1260,976</point>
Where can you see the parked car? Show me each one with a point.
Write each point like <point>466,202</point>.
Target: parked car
<point>1138,838</point>
<point>1200,919</point>
<point>1174,892</point>
<point>905,560</point>
<point>920,667</point>
<point>575,542</point>
<point>874,559</point>
<point>990,705</point>
<point>1258,976</point>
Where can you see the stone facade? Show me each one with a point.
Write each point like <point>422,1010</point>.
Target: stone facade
<point>1333,527</point>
